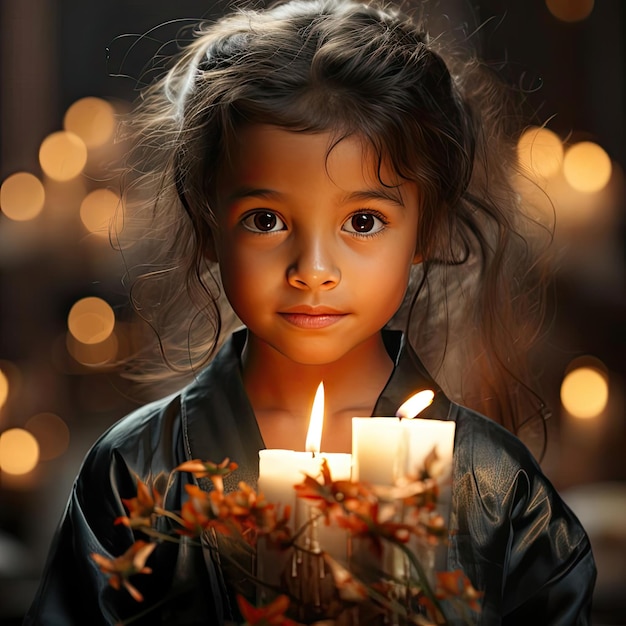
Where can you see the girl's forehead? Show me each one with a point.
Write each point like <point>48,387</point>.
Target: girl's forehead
<point>258,146</point>
<point>277,163</point>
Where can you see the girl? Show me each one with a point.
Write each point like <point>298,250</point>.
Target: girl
<point>337,174</point>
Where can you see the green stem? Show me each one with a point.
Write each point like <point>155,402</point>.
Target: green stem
<point>172,516</point>
<point>423,578</point>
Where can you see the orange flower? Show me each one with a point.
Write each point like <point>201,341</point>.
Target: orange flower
<point>241,511</point>
<point>196,512</point>
<point>232,511</point>
<point>457,584</point>
<point>454,586</point>
<point>251,515</point>
<point>370,520</point>
<point>331,497</point>
<point>274,527</point>
<point>141,508</point>
<point>354,507</point>
<point>132,562</point>
<point>271,615</point>
<point>215,471</point>
<point>237,504</point>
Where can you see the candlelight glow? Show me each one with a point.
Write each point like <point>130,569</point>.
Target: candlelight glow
<point>570,10</point>
<point>19,451</point>
<point>91,320</point>
<point>416,404</point>
<point>98,209</point>
<point>93,353</point>
<point>22,197</point>
<point>585,392</point>
<point>4,388</point>
<point>62,155</point>
<point>314,434</point>
<point>92,119</point>
<point>540,151</point>
<point>587,167</point>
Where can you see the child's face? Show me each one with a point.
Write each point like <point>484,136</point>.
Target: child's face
<point>314,250</point>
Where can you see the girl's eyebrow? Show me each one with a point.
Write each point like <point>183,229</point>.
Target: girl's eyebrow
<point>389,195</point>
<point>251,192</point>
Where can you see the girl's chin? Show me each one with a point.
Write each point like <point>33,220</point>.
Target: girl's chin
<point>321,351</point>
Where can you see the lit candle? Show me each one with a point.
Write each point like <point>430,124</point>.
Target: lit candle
<point>391,452</point>
<point>425,436</point>
<point>280,470</point>
<point>386,450</point>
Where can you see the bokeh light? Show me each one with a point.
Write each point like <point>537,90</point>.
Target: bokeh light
<point>91,320</point>
<point>4,388</point>
<point>570,10</point>
<point>587,167</point>
<point>19,451</point>
<point>98,209</point>
<point>93,354</point>
<point>540,151</point>
<point>92,119</point>
<point>585,390</point>
<point>22,196</point>
<point>62,155</point>
<point>10,381</point>
<point>52,434</point>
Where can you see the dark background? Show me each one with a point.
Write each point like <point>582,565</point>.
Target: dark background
<point>55,52</point>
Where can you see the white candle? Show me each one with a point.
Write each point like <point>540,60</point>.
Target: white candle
<point>388,451</point>
<point>375,445</point>
<point>280,470</point>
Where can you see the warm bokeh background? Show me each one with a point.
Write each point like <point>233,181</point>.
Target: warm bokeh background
<point>68,66</point>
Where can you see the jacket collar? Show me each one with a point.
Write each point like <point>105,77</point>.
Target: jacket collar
<point>218,420</point>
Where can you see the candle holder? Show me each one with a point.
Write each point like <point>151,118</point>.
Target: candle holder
<point>308,582</point>
<point>302,569</point>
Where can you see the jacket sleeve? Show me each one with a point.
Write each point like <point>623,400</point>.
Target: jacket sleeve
<point>550,573</point>
<point>516,539</point>
<point>73,590</point>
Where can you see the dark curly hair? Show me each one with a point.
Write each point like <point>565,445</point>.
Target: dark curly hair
<point>474,305</point>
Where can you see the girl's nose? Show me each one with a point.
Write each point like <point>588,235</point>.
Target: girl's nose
<point>314,267</point>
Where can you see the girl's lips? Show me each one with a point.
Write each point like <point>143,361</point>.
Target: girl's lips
<point>309,321</point>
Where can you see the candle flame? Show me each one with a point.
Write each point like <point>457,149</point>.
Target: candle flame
<point>416,404</point>
<point>314,434</point>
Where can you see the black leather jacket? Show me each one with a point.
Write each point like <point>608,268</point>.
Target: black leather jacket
<point>509,530</point>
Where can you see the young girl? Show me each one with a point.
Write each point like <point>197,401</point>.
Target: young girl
<point>332,174</point>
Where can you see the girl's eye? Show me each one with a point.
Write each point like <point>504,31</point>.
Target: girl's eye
<point>365,223</point>
<point>263,222</point>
